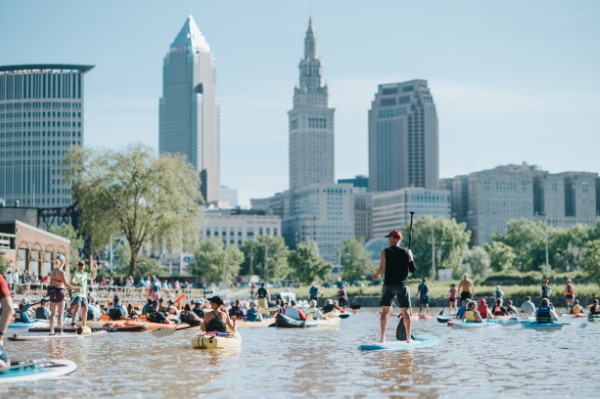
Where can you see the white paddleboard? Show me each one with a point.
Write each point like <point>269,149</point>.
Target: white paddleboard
<point>38,370</point>
<point>57,336</point>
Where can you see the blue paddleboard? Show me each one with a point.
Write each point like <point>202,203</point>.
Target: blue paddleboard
<point>421,341</point>
<point>535,324</point>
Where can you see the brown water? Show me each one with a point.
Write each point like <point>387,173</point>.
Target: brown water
<point>296,363</point>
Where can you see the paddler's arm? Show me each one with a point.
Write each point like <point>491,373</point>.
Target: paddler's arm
<point>381,269</point>
<point>230,325</point>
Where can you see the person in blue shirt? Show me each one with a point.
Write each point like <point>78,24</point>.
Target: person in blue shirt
<point>313,292</point>
<point>117,311</point>
<point>461,311</point>
<point>423,296</point>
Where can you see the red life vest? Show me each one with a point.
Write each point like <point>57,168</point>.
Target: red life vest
<point>482,309</point>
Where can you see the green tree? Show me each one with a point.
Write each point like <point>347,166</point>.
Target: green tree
<point>591,259</point>
<point>527,239</point>
<point>211,260</point>
<point>445,238</point>
<point>135,195</point>
<point>567,247</point>
<point>144,267</point>
<point>307,265</point>
<point>477,261</point>
<point>356,260</point>
<point>266,254</point>
<point>502,256</point>
<point>4,264</point>
<point>67,231</point>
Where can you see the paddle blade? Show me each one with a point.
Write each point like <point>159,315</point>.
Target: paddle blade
<point>163,332</point>
<point>344,315</point>
<point>354,306</point>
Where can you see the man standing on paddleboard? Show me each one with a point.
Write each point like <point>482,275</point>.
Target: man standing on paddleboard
<point>394,264</point>
<point>7,311</point>
<point>80,280</point>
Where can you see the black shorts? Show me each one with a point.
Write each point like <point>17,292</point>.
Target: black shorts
<point>569,296</point>
<point>401,291</point>
<point>465,295</point>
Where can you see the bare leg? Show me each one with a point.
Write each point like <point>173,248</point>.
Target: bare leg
<point>75,310</point>
<point>383,319</point>
<point>83,316</point>
<point>60,309</point>
<point>52,316</point>
<point>406,318</point>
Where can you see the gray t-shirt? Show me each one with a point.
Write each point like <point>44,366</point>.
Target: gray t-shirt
<point>528,307</point>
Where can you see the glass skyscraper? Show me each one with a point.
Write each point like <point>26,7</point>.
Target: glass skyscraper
<point>189,113</point>
<point>311,150</point>
<point>41,117</point>
<point>403,137</point>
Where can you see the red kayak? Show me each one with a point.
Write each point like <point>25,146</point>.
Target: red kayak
<point>126,326</point>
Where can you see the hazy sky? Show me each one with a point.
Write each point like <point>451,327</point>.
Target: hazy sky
<point>513,81</point>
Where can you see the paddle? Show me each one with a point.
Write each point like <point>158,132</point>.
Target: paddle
<point>355,306</point>
<point>344,315</point>
<point>166,331</point>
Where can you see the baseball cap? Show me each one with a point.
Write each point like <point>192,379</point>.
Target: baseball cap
<point>216,299</point>
<point>60,257</point>
<point>395,234</point>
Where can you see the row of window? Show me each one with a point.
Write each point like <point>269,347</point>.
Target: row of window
<point>40,85</point>
<point>54,133</point>
<point>39,114</point>
<point>19,125</point>
<point>39,105</point>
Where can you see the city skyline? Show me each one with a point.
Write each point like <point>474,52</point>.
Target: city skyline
<point>513,83</point>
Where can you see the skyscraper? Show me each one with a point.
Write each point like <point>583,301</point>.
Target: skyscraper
<point>403,137</point>
<point>41,118</point>
<point>311,122</point>
<point>189,112</point>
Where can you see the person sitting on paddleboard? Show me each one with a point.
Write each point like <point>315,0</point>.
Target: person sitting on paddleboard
<point>294,312</point>
<point>594,308</point>
<point>577,308</point>
<point>461,311</point>
<point>313,311</point>
<point>498,309</point>
<point>6,306</point>
<point>471,314</point>
<point>189,317</point>
<point>42,312</point>
<point>252,313</point>
<point>483,309</point>
<point>546,313</point>
<point>216,320</point>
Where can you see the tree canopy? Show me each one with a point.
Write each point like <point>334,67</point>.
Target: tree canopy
<point>266,254</point>
<point>307,265</point>
<point>136,195</point>
<point>356,261</point>
<point>212,261</point>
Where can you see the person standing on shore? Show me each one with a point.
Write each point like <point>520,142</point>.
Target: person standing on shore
<point>466,289</point>
<point>394,264</point>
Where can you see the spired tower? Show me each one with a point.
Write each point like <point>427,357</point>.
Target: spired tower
<point>311,126</point>
<point>189,110</point>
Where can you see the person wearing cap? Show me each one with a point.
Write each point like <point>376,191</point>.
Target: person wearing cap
<point>56,292</point>
<point>528,307</point>
<point>252,313</point>
<point>483,309</point>
<point>216,320</point>
<point>6,305</point>
<point>546,313</point>
<point>569,294</point>
<point>42,312</point>
<point>197,309</point>
<point>395,263</point>
<point>466,289</point>
<point>472,315</point>
<point>79,296</point>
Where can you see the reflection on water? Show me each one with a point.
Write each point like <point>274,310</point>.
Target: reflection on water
<point>293,363</point>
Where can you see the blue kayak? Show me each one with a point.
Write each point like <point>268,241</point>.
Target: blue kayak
<point>420,341</point>
<point>34,323</point>
<point>535,324</point>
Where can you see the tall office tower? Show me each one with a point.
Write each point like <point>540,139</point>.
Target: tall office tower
<point>311,122</point>
<point>403,137</point>
<point>189,111</point>
<point>41,118</point>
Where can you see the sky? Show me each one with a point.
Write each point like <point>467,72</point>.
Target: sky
<point>513,81</point>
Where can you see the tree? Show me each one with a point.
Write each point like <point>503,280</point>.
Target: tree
<point>527,239</point>
<point>477,261</point>
<point>135,195</point>
<point>450,241</point>
<point>567,246</point>
<point>266,254</point>
<point>144,267</point>
<point>211,260</point>
<point>502,256</point>
<point>4,264</point>
<point>591,259</point>
<point>67,231</point>
<point>307,265</point>
<point>356,260</point>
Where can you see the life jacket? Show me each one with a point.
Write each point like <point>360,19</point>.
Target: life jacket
<point>498,311</point>
<point>543,315</point>
<point>236,311</point>
<point>156,317</point>
<point>40,314</point>
<point>569,289</point>
<point>483,310</point>
<point>577,309</point>
<point>215,324</point>
<point>470,315</point>
<point>252,314</point>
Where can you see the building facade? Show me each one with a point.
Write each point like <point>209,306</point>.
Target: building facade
<point>311,128</point>
<point>403,137</point>
<point>391,209</point>
<point>189,111</point>
<point>234,227</point>
<point>489,199</point>
<point>41,118</point>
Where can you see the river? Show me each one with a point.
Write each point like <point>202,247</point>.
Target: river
<point>324,363</point>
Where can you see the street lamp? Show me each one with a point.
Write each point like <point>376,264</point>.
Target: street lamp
<point>546,240</point>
